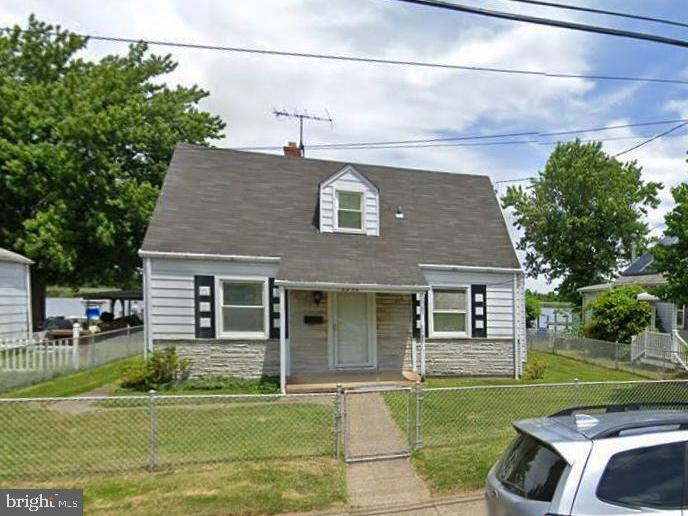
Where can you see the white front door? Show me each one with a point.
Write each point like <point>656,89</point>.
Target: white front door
<point>353,332</point>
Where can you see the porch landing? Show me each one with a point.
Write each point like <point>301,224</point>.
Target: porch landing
<point>327,382</point>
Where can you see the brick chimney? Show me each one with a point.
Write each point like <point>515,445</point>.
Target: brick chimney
<point>291,149</point>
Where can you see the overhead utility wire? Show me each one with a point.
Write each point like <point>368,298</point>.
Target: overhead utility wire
<point>550,22</point>
<point>602,11</point>
<point>376,60</point>
<point>390,143</point>
<point>656,137</point>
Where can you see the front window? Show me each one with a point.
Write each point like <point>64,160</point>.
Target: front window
<point>350,210</point>
<point>449,312</point>
<point>243,308</point>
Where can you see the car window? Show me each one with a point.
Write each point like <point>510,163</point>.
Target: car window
<point>645,477</point>
<point>531,469</point>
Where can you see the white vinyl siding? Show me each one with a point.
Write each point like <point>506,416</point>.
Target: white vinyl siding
<point>172,296</point>
<point>500,296</point>
<point>349,180</point>
<point>14,300</point>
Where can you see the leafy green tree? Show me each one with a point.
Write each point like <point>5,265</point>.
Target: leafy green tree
<point>616,315</point>
<point>533,308</point>
<point>581,216</point>
<point>83,151</point>
<point>672,260</point>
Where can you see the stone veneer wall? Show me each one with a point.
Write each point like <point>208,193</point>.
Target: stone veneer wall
<point>215,357</point>
<point>469,357</point>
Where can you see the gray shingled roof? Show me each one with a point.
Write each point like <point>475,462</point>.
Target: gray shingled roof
<point>221,201</point>
<point>9,256</point>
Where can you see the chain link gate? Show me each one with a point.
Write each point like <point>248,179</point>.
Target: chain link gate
<point>379,423</point>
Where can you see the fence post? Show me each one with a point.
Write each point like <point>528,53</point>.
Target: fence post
<point>152,432</point>
<point>76,332</point>
<point>616,355</point>
<point>338,421</point>
<point>419,416</point>
<point>576,386</point>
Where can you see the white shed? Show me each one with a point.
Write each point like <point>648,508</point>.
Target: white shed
<point>15,295</point>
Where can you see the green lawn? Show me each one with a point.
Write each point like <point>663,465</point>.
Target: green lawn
<point>46,440</point>
<point>244,488</point>
<point>74,384</point>
<point>465,431</point>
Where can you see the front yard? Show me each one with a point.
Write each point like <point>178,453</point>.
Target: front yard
<point>268,454</point>
<point>465,431</point>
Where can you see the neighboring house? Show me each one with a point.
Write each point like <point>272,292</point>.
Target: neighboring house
<point>258,264</point>
<point>556,317</point>
<point>669,316</point>
<point>15,295</point>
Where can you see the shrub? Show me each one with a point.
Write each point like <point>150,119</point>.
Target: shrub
<point>232,384</point>
<point>617,315</point>
<point>535,369</point>
<point>161,369</point>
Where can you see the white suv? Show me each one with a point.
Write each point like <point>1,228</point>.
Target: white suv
<point>613,459</point>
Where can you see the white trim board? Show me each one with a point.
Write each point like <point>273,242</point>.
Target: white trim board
<point>351,287</point>
<point>468,268</point>
<point>207,256</point>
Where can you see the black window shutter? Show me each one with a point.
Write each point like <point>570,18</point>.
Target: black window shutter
<point>275,310</point>
<point>204,306</point>
<point>479,311</point>
<point>415,315</point>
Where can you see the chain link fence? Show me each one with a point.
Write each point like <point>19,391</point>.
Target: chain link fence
<point>660,361</point>
<point>26,361</point>
<point>47,438</point>
<point>50,438</point>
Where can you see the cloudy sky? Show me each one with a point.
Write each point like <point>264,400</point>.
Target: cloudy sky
<point>380,102</point>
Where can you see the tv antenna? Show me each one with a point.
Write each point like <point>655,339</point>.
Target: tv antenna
<point>303,115</point>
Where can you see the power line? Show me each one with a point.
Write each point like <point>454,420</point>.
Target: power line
<point>439,142</point>
<point>376,60</point>
<point>656,137</point>
<point>602,11</point>
<point>609,31</point>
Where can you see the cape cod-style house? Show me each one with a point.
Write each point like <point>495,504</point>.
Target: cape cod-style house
<point>258,264</point>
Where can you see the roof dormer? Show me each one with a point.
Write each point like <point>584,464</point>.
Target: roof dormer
<point>349,203</point>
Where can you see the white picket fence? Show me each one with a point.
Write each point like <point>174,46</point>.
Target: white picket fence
<point>39,354</point>
<point>660,349</point>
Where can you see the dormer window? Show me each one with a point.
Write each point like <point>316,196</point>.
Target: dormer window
<point>349,211</point>
<point>349,203</point>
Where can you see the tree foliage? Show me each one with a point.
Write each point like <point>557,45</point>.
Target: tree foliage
<point>533,308</point>
<point>672,260</point>
<point>617,315</point>
<point>83,151</point>
<point>581,215</point>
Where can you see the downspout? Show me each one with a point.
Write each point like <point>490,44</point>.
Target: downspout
<point>147,304</point>
<point>423,299</point>
<point>29,325</point>
<point>515,338</point>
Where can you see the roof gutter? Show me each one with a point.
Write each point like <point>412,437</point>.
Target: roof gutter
<point>208,256</point>
<point>351,287</point>
<point>469,268</point>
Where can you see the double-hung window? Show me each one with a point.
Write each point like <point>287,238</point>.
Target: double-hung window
<point>243,308</point>
<point>349,211</point>
<point>449,312</point>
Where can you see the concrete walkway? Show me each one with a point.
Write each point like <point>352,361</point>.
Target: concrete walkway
<point>372,432</point>
<point>466,505</point>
